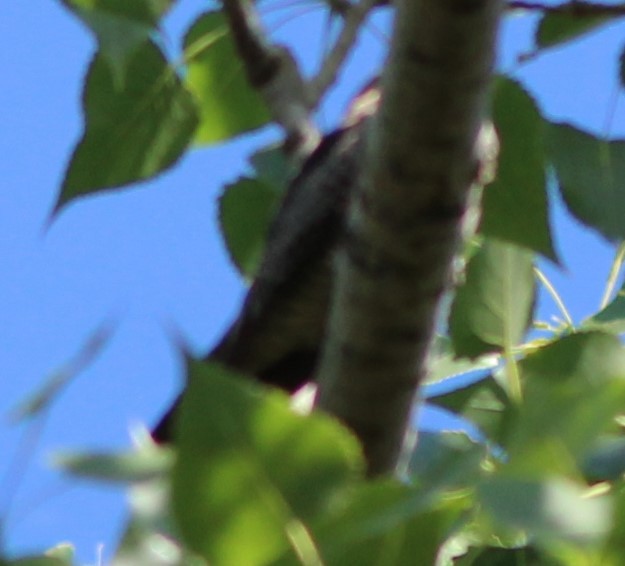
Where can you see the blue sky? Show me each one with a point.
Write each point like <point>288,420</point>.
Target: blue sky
<point>150,258</point>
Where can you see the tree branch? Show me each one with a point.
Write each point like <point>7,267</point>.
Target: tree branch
<point>272,70</point>
<point>405,221</point>
<point>572,8</point>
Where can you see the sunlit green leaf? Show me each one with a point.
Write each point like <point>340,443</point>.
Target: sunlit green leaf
<point>131,132</point>
<point>493,308</point>
<point>216,76</point>
<point>573,389</point>
<point>243,460</point>
<point>549,509</point>
<point>591,176</point>
<point>388,523</point>
<point>520,181</point>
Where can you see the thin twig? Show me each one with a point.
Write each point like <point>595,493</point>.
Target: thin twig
<point>615,270</point>
<point>555,296</point>
<point>353,17</point>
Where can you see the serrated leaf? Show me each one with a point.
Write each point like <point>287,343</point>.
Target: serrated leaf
<point>216,76</point>
<point>493,308</point>
<point>591,177</point>
<point>133,132</point>
<point>573,389</point>
<point>520,182</point>
<point>556,28</point>
<point>250,472</point>
<point>120,26</point>
<point>549,509</point>
<point>444,365</point>
<point>245,210</point>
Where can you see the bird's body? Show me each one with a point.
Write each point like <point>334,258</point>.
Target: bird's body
<point>279,332</point>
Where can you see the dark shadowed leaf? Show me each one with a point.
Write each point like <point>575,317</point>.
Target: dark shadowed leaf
<point>245,210</point>
<point>559,27</point>
<point>606,460</point>
<point>493,308</point>
<point>496,556</point>
<point>591,176</point>
<point>216,76</point>
<point>272,167</point>
<point>243,460</point>
<point>131,132</point>
<point>520,181</point>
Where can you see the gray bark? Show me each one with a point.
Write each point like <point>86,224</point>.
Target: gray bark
<point>405,220</point>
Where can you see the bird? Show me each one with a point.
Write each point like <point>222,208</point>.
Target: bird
<point>277,336</point>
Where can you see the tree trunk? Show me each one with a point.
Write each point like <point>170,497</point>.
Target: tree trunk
<point>405,220</point>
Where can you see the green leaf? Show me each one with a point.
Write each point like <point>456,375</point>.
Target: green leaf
<point>549,509</point>
<point>386,522</point>
<point>133,132</point>
<point>520,181</point>
<point>559,27</point>
<point>216,76</point>
<point>245,210</point>
<point>36,561</point>
<point>606,460</point>
<point>449,460</point>
<point>272,167</point>
<point>493,308</point>
<point>444,365</point>
<point>573,389</point>
<point>591,175</point>
<point>612,317</point>
<point>523,556</point>
<point>131,467</point>
<point>250,472</point>
<point>120,26</point>
<point>484,403</point>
